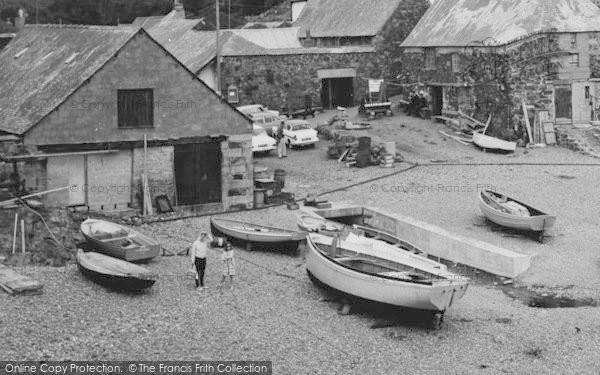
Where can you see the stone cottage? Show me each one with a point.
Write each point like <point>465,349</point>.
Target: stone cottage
<point>89,99</point>
<point>331,51</point>
<point>488,57</point>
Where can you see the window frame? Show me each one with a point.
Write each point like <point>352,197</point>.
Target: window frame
<point>124,119</point>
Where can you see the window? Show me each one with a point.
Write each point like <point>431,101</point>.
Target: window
<point>135,108</point>
<point>573,40</point>
<point>455,63</point>
<point>430,58</point>
<point>574,59</point>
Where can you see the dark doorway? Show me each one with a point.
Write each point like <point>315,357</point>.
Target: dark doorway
<point>337,92</point>
<point>198,173</point>
<point>562,100</point>
<point>437,100</point>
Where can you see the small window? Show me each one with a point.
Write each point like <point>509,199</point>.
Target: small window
<point>574,59</point>
<point>430,58</point>
<point>456,63</point>
<point>135,108</point>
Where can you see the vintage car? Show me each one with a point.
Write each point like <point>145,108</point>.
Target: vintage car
<point>261,142</point>
<point>262,116</point>
<point>299,133</point>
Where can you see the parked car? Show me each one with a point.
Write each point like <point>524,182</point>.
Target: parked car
<point>261,142</point>
<point>262,116</point>
<point>299,133</point>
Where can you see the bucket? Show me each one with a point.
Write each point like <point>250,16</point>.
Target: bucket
<point>279,177</point>
<point>364,143</point>
<point>259,198</point>
<point>261,172</point>
<point>390,148</point>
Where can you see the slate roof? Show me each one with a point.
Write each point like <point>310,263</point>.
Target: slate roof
<point>339,18</point>
<point>459,23</point>
<point>43,65</point>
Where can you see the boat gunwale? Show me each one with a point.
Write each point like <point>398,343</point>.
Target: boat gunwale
<point>536,214</point>
<point>433,282</point>
<point>83,260</point>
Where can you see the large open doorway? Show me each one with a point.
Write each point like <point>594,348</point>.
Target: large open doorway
<point>337,92</point>
<point>198,173</point>
<point>563,103</point>
<point>437,100</point>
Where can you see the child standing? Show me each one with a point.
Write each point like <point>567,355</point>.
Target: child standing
<point>198,254</point>
<point>228,263</point>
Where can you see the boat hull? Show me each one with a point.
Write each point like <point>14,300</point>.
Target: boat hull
<point>275,239</point>
<point>492,143</point>
<point>112,281</point>
<point>536,223</point>
<point>436,296</point>
<point>147,250</point>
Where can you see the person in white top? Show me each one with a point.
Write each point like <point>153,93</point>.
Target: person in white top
<point>228,263</point>
<point>198,256</point>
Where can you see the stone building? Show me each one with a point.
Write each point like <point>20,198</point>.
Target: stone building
<point>89,98</point>
<point>488,57</point>
<point>329,52</point>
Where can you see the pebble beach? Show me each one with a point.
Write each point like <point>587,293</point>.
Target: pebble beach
<point>275,313</point>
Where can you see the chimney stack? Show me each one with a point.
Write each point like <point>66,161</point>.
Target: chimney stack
<point>19,20</point>
<point>178,8</point>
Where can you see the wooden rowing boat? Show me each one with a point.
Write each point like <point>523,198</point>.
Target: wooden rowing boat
<point>487,142</point>
<point>504,211</point>
<point>119,241</point>
<point>114,273</point>
<point>250,233</point>
<point>318,224</point>
<point>376,271</point>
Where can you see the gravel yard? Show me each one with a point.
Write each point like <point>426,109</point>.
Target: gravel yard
<point>275,313</point>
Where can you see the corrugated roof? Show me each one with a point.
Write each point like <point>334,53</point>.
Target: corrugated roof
<point>464,22</point>
<point>40,78</point>
<point>339,18</point>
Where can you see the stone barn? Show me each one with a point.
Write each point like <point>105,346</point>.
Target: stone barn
<point>489,57</point>
<point>102,105</point>
<point>330,52</point>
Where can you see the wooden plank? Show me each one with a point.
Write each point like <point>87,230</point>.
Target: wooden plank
<point>527,125</point>
<point>341,158</point>
<point>17,283</point>
<point>453,137</point>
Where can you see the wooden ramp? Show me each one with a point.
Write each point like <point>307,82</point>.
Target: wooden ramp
<point>14,283</point>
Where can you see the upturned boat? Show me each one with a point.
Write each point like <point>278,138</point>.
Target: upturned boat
<point>487,142</point>
<point>114,273</point>
<point>119,241</point>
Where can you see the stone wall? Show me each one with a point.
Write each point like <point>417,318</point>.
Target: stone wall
<point>500,79</point>
<point>275,80</point>
<point>160,170</point>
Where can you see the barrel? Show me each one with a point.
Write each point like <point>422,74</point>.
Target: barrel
<point>390,148</point>
<point>364,143</point>
<point>261,171</point>
<point>279,177</point>
<point>259,198</point>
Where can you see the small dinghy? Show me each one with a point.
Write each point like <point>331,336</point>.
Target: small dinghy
<point>356,126</point>
<point>119,241</point>
<point>510,213</point>
<point>256,234</point>
<point>375,271</point>
<point>487,142</point>
<point>318,224</point>
<point>114,273</point>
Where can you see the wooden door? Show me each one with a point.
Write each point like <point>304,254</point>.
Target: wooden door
<point>109,180</point>
<point>563,102</point>
<point>64,171</point>
<point>198,173</point>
